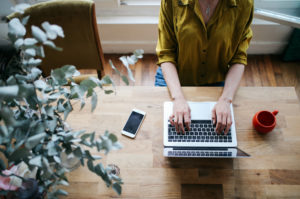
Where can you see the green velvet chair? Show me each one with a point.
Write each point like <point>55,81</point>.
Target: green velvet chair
<point>81,45</point>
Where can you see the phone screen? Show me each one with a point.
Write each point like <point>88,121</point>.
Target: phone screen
<point>133,122</point>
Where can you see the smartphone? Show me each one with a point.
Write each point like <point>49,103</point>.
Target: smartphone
<point>133,123</point>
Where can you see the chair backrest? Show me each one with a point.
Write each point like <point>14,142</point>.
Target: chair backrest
<point>81,45</point>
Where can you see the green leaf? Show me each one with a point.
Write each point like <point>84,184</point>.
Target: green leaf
<point>9,91</point>
<point>60,192</point>
<point>36,161</point>
<point>19,155</point>
<point>40,51</point>
<point>114,68</point>
<point>30,52</point>
<point>63,182</point>
<point>99,170</point>
<point>52,45</point>
<point>139,53</point>
<point>57,159</point>
<point>117,188</point>
<point>16,28</point>
<point>68,108</point>
<point>78,133</point>
<point>3,130</point>
<point>106,80</point>
<point>25,20</point>
<point>97,157</point>
<point>51,146</point>
<point>92,137</point>
<point>38,34</point>
<point>50,111</point>
<point>61,75</point>
<point>88,155</point>
<point>18,43</point>
<point>126,64</point>
<point>11,81</point>
<point>40,84</point>
<point>30,41</point>
<point>90,165</point>
<point>88,83</point>
<point>108,91</point>
<point>52,30</point>
<point>94,101</point>
<point>34,62</point>
<point>125,79</point>
<point>34,140</point>
<point>51,124</point>
<point>8,116</point>
<point>78,152</point>
<point>115,177</point>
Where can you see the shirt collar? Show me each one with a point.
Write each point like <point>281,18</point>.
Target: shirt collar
<point>232,3</point>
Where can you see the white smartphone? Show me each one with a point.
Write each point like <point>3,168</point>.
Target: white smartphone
<point>133,123</point>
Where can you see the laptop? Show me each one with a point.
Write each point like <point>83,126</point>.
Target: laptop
<point>201,141</point>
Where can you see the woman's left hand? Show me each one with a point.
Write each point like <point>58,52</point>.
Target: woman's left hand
<point>221,116</point>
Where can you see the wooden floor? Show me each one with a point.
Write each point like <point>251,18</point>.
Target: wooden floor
<point>262,70</point>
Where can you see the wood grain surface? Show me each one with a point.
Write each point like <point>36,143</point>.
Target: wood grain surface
<point>272,171</point>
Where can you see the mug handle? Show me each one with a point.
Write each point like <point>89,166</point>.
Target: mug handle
<point>275,112</point>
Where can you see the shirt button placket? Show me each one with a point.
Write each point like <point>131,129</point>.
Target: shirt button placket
<point>203,63</point>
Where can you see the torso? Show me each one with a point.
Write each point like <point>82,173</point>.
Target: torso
<point>207,8</point>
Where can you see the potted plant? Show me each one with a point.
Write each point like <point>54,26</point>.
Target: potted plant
<point>37,147</point>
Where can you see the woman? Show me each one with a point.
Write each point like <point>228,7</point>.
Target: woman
<point>203,43</point>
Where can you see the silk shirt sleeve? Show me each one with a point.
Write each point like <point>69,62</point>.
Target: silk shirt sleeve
<point>240,56</point>
<point>166,48</point>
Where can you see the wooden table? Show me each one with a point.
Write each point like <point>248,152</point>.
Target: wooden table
<point>273,171</point>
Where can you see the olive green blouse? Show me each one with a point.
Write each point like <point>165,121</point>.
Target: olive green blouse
<point>203,53</point>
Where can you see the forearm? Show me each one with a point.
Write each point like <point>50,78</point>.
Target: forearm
<point>232,81</point>
<point>171,77</point>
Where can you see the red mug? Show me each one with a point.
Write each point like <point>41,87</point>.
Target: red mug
<point>264,121</point>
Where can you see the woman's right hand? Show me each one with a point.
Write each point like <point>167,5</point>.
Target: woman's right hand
<point>181,116</point>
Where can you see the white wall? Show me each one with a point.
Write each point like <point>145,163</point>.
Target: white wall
<point>126,34</point>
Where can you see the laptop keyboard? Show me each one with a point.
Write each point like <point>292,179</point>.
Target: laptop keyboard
<point>200,131</point>
<point>192,153</point>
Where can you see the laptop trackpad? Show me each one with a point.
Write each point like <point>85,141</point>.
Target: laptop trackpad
<point>201,110</point>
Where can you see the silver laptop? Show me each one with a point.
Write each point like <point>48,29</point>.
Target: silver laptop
<point>202,140</point>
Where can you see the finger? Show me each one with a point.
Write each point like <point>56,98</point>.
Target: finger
<point>171,119</point>
<point>176,123</point>
<point>229,123</point>
<point>219,122</point>
<point>213,115</point>
<point>224,123</point>
<point>187,120</point>
<point>180,123</point>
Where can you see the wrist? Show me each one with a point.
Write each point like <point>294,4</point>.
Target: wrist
<point>226,99</point>
<point>178,98</point>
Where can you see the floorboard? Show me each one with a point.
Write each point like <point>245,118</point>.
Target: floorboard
<point>262,70</point>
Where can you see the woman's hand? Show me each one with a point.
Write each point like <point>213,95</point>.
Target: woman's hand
<point>181,116</point>
<point>221,116</point>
